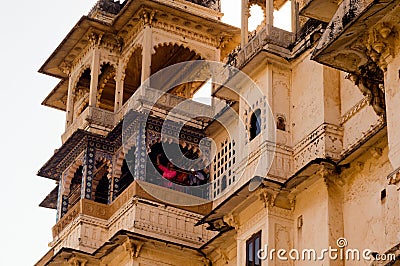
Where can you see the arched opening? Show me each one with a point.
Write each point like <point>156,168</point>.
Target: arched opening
<point>257,18</point>
<point>74,194</point>
<point>100,182</point>
<point>187,173</point>
<point>81,100</point>
<point>283,16</point>
<point>106,88</point>
<point>127,169</point>
<point>102,188</point>
<point>133,74</point>
<point>255,124</point>
<point>280,123</point>
<point>170,54</point>
<point>281,13</point>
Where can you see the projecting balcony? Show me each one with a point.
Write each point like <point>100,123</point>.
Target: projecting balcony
<point>101,121</point>
<point>92,119</point>
<point>268,35</point>
<point>88,225</point>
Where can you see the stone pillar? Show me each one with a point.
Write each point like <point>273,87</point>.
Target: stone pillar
<point>88,169</point>
<point>141,151</point>
<point>94,81</point>
<point>269,12</point>
<point>245,23</point>
<point>119,88</point>
<point>392,98</point>
<point>62,201</point>
<point>295,16</point>
<point>70,102</point>
<point>146,53</point>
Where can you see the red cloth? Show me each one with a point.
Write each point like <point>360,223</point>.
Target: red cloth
<point>167,173</point>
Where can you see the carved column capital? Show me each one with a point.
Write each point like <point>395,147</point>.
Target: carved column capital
<point>75,261</point>
<point>147,18</point>
<point>133,247</point>
<point>95,39</point>
<point>231,220</point>
<point>268,196</point>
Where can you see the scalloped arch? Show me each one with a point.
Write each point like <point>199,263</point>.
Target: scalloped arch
<point>182,44</point>
<point>69,175</point>
<point>128,55</point>
<point>104,81</point>
<point>79,75</point>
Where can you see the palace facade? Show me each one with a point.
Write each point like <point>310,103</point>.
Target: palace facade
<point>298,150</point>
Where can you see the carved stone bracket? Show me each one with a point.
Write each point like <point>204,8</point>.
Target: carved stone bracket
<point>75,261</point>
<point>380,44</point>
<point>394,177</point>
<point>147,18</point>
<point>331,176</point>
<point>268,196</point>
<point>370,83</point>
<point>224,223</point>
<point>133,247</point>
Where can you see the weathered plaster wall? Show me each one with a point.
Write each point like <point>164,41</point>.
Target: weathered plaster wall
<point>392,95</point>
<point>307,110</point>
<point>370,222</point>
<point>312,206</point>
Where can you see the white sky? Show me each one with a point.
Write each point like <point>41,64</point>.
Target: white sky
<point>31,30</point>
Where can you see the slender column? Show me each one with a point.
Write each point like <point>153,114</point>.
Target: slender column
<point>295,16</point>
<point>62,200</point>
<point>269,12</point>
<point>88,169</point>
<point>245,22</point>
<point>94,81</point>
<point>146,53</point>
<point>70,103</point>
<point>140,152</point>
<point>119,91</point>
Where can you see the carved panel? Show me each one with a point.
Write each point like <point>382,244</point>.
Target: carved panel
<point>324,142</point>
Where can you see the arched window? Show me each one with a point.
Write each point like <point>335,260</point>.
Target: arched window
<point>75,187</point>
<point>280,123</point>
<point>255,124</point>
<point>101,193</point>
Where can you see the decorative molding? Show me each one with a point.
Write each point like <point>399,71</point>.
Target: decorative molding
<point>133,247</point>
<point>268,196</point>
<point>370,83</point>
<point>323,142</point>
<point>354,110</point>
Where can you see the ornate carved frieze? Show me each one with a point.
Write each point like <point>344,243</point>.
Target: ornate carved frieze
<point>212,4</point>
<point>267,35</point>
<point>105,10</point>
<point>324,142</point>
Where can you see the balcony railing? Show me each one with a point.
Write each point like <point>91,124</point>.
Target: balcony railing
<point>150,218</point>
<point>267,35</point>
<point>91,117</point>
<point>212,4</point>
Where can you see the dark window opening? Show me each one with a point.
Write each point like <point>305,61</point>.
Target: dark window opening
<point>126,177</point>
<point>101,194</point>
<point>223,183</point>
<point>253,245</point>
<point>75,187</point>
<point>280,123</point>
<point>255,124</point>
